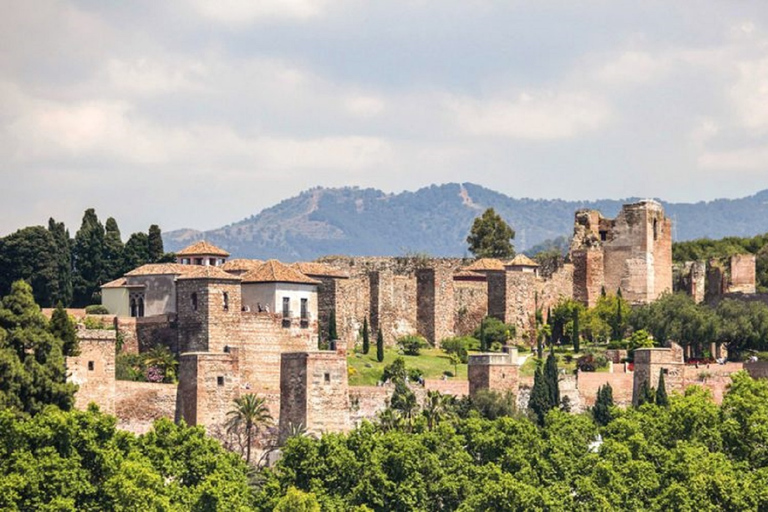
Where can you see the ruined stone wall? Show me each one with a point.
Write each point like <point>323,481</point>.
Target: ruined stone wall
<point>352,307</point>
<point>497,294</point>
<point>558,286</point>
<point>94,369</point>
<point>587,275</point>
<point>520,300</point>
<point>127,329</point>
<point>366,402</point>
<point>435,303</point>
<point>621,384</point>
<point>742,276</point>
<point>662,255</point>
<point>691,279</point>
<point>650,361</point>
<point>139,404</point>
<point>470,306</point>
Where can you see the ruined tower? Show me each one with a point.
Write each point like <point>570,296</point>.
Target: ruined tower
<point>632,252</point>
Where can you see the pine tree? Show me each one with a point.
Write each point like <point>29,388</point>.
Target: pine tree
<point>491,237</point>
<point>63,253</point>
<point>601,412</point>
<point>366,336</point>
<point>332,333</point>
<point>113,252</point>
<point>87,257</point>
<point>551,379</point>
<point>661,391</point>
<point>155,249</point>
<point>379,346</point>
<point>63,328</point>
<point>575,335</point>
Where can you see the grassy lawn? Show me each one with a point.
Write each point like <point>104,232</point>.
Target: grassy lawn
<point>433,362</point>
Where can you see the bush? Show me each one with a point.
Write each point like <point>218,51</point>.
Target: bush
<point>415,374</point>
<point>460,346</point>
<point>495,331</point>
<point>395,370</point>
<point>591,362</point>
<point>96,309</point>
<point>91,322</point>
<point>412,344</point>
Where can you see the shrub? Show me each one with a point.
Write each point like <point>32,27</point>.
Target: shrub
<point>495,331</point>
<point>96,309</point>
<point>459,345</point>
<point>91,322</point>
<point>412,344</point>
<point>415,374</point>
<point>395,370</point>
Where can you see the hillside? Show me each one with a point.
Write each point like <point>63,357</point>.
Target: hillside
<point>436,220</point>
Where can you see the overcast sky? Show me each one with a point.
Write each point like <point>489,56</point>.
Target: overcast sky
<point>196,113</point>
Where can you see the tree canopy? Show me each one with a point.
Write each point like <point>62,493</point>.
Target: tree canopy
<point>491,237</point>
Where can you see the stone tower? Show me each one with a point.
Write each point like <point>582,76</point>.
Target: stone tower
<point>632,252</point>
<point>497,372</point>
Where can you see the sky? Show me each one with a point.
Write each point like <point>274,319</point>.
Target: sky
<point>196,113</point>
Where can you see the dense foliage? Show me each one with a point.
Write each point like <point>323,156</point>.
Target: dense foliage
<point>691,455</point>
<point>68,270</point>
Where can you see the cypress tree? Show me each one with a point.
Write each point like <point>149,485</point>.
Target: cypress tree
<point>63,253</point>
<point>332,333</point>
<point>575,335</point>
<point>539,401</point>
<point>601,412</point>
<point>646,394</point>
<point>155,249</point>
<point>661,391</point>
<point>136,251</point>
<point>366,336</point>
<point>483,343</point>
<point>551,381</point>
<point>379,346</point>
<point>87,257</point>
<point>113,251</point>
<point>617,331</point>
<point>63,328</point>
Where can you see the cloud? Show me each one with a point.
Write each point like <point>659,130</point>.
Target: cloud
<point>534,116</point>
<point>632,67</point>
<point>750,94</point>
<point>241,13</point>
<point>753,159</point>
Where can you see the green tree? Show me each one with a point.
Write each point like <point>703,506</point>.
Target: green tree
<point>601,412</point>
<point>435,408</point>
<point>404,401</point>
<point>551,378</point>
<point>661,391</point>
<point>647,394</point>
<point>575,334</point>
<point>88,262</point>
<point>493,331</point>
<point>458,346</point>
<point>136,251</point>
<point>412,344</point>
<point>297,501</point>
<point>112,257</point>
<point>60,234</point>
<point>491,237</point>
<point>248,415</point>
<point>366,336</point>
<point>31,358</point>
<point>332,332</point>
<point>30,254</point>
<point>379,346</point>
<point>63,328</point>
<point>155,249</point>
<point>395,370</point>
<point>540,400</point>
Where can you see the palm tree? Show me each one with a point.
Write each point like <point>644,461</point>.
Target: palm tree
<point>249,413</point>
<point>435,408</point>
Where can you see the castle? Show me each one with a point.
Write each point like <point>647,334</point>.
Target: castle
<point>247,326</point>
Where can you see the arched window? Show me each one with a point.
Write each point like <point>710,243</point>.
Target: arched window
<point>141,307</point>
<point>134,310</point>
<point>194,301</point>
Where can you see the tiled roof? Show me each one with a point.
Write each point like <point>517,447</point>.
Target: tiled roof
<point>319,269</point>
<point>485,264</point>
<point>117,283</point>
<point>152,269</point>
<point>206,272</point>
<point>202,248</point>
<point>468,274</point>
<point>240,264</point>
<point>521,260</point>
<point>273,271</point>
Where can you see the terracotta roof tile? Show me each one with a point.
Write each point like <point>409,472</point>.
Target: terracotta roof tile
<point>273,271</point>
<point>521,260</point>
<point>202,248</point>
<point>319,269</point>
<point>240,264</point>
<point>485,264</point>
<point>151,269</point>
<point>468,274</point>
<point>117,283</point>
<point>206,272</point>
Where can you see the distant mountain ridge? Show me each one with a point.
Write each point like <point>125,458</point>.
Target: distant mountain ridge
<point>436,220</point>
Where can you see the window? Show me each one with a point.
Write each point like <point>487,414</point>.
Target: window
<point>603,236</point>
<point>226,301</point>
<point>185,261</point>
<point>327,377</point>
<point>141,307</point>
<point>655,230</point>
<point>220,380</point>
<point>194,301</point>
<point>90,366</point>
<point>304,323</point>
<point>212,262</point>
<point>134,308</point>
<point>286,307</point>
<point>198,261</point>
<point>136,301</point>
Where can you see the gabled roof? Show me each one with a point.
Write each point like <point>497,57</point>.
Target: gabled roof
<point>319,269</point>
<point>521,260</point>
<point>240,264</point>
<point>273,271</point>
<point>153,269</point>
<point>485,264</point>
<point>206,272</point>
<point>202,248</point>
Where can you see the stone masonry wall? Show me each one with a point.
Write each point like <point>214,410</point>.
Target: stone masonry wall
<point>742,278</point>
<point>470,305</point>
<point>496,372</point>
<point>139,404</point>
<point>94,369</point>
<point>587,275</point>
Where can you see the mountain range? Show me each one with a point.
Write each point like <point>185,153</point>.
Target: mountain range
<point>436,220</point>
